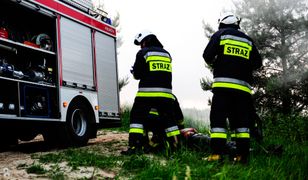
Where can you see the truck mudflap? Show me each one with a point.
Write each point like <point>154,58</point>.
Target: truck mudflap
<point>109,123</point>
<point>109,120</point>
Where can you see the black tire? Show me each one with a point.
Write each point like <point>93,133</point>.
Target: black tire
<point>7,140</point>
<point>78,126</point>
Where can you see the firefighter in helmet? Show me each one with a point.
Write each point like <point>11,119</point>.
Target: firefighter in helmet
<point>233,56</point>
<point>153,68</point>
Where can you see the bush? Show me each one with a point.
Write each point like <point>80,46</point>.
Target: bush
<point>288,127</point>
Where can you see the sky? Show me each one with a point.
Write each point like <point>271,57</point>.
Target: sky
<point>178,25</point>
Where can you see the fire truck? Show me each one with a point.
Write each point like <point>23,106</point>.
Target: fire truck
<point>58,71</point>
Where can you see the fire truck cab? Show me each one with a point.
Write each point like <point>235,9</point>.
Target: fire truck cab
<point>58,71</point>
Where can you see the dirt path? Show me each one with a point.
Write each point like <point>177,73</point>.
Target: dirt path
<point>16,158</point>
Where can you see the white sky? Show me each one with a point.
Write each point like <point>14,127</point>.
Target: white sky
<point>178,25</point>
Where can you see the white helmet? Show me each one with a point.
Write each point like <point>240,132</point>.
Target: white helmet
<point>229,18</point>
<point>140,36</point>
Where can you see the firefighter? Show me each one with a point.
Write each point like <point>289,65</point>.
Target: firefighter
<point>233,56</point>
<point>153,67</point>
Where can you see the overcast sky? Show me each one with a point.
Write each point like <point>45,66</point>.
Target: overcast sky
<point>178,25</point>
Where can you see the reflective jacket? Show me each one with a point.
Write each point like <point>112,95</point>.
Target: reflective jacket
<point>153,67</point>
<point>233,56</point>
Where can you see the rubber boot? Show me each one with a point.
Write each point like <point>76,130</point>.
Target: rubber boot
<point>242,146</point>
<point>135,144</point>
<point>218,146</point>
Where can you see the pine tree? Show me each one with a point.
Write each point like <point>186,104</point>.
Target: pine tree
<point>279,28</point>
<point>280,31</point>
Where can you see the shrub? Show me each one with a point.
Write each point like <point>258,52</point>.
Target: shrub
<point>289,127</point>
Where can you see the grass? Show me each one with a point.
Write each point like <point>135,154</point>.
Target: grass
<point>292,163</point>
<point>80,157</point>
<point>36,169</point>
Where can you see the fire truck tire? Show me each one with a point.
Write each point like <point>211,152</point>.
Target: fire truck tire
<point>7,140</point>
<point>79,125</point>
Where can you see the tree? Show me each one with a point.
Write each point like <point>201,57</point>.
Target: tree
<point>123,82</point>
<point>280,31</point>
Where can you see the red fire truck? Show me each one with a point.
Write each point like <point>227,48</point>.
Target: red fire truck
<point>58,71</point>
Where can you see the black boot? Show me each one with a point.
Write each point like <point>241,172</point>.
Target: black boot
<point>135,141</point>
<point>132,151</point>
<point>242,146</point>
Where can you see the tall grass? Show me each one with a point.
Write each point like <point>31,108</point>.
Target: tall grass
<point>292,128</point>
<point>125,113</point>
<point>200,126</point>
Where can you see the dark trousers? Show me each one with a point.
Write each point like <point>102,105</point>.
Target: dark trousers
<point>140,115</point>
<point>235,106</point>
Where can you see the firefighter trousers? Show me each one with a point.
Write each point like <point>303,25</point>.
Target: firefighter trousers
<point>140,122</point>
<point>234,106</point>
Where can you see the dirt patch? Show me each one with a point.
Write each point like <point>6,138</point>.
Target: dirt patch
<point>14,161</point>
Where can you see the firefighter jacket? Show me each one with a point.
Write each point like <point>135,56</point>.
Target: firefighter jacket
<point>233,56</point>
<point>154,70</point>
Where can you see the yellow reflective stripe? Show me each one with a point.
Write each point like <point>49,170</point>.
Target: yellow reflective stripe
<point>136,130</point>
<point>242,135</point>
<point>158,58</point>
<point>237,43</point>
<point>155,94</point>
<point>173,133</point>
<point>154,113</point>
<point>232,80</point>
<point>160,66</point>
<point>233,135</point>
<point>232,86</point>
<point>219,135</point>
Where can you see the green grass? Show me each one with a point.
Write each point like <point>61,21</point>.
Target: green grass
<point>36,169</point>
<point>292,163</point>
<point>80,157</point>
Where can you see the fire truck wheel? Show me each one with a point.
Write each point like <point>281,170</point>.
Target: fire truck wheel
<point>6,140</point>
<point>78,124</point>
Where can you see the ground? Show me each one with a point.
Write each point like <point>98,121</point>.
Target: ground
<point>14,160</point>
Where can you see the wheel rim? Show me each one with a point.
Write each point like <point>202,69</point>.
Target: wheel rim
<point>79,122</point>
